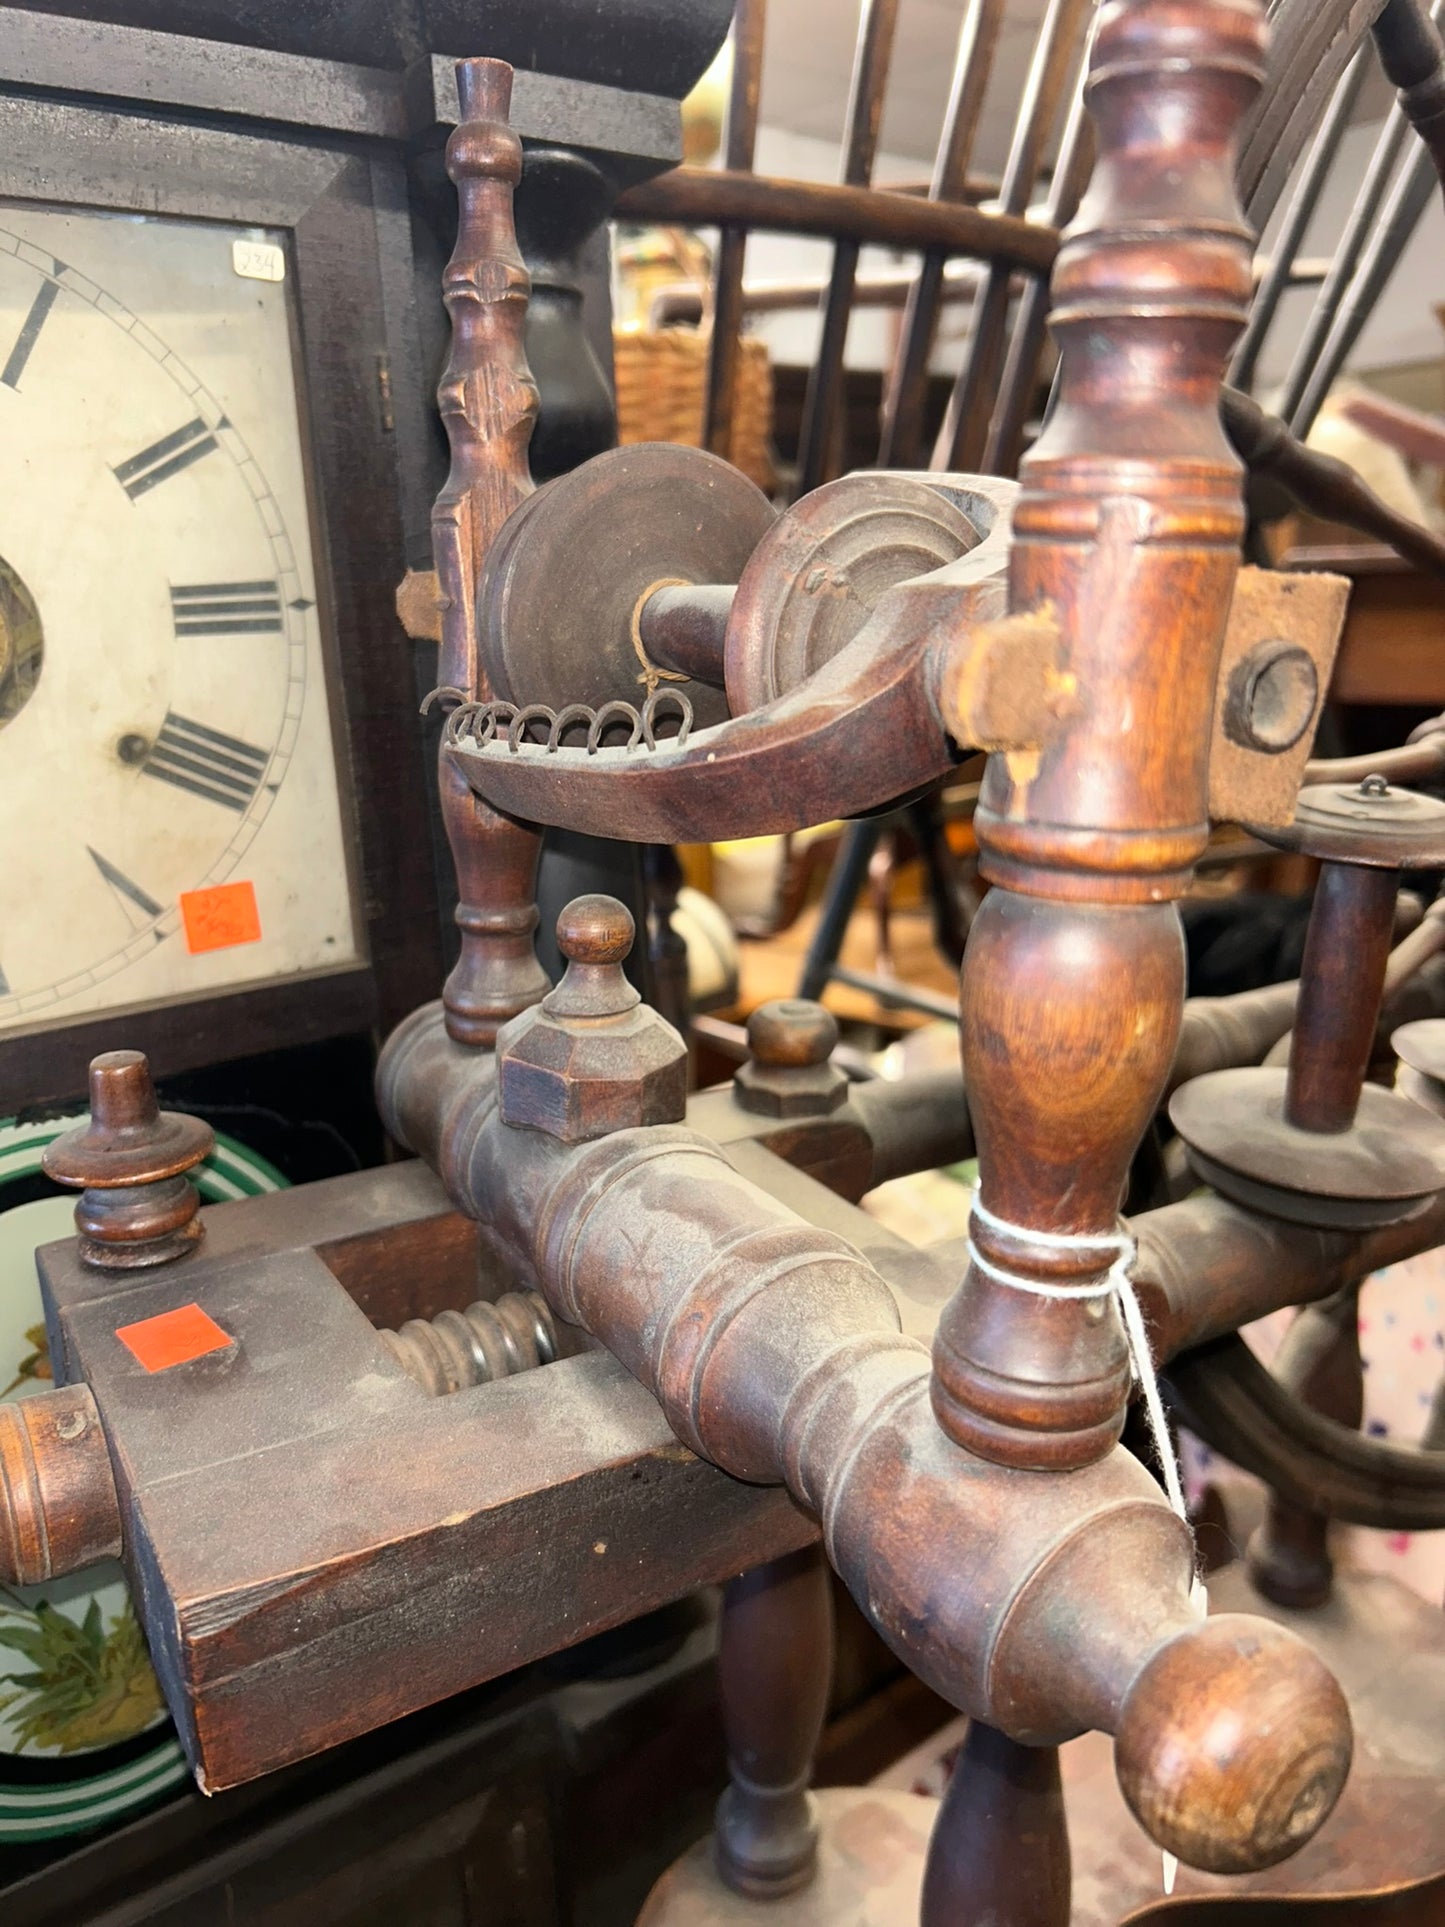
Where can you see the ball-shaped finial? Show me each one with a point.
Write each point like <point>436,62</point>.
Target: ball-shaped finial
<point>1233,1745</point>
<point>789,1072</point>
<point>792,1032</point>
<point>595,930</point>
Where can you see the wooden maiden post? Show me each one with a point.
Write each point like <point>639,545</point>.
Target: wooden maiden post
<point>488,403</point>
<point>1127,533</point>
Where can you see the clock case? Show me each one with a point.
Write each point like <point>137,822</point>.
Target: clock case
<point>293,131</point>
<point>326,165</point>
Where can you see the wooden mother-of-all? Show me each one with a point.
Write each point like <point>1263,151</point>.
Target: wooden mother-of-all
<point>328,1515</point>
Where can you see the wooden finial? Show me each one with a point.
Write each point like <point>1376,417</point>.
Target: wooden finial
<point>129,1162</point>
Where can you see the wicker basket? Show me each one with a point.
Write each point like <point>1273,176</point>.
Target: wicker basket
<point>661,385</point>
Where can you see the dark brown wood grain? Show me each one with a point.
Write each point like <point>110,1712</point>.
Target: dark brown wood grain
<point>775,1667</point>
<point>1073,980</point>
<point>876,215</point>
<point>265,1460</point>
<point>317,1546</point>
<point>488,404</point>
<point>58,1506</point>
<point>1341,980</point>
<point>1000,1848</point>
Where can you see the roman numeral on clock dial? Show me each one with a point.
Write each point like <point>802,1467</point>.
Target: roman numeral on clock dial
<point>29,334</point>
<point>227,609</point>
<point>206,762</point>
<point>165,458</point>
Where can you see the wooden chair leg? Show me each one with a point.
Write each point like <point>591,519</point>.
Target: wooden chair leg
<point>775,1662</point>
<point>999,1856</point>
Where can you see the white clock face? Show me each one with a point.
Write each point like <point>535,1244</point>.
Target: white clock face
<point>170,824</point>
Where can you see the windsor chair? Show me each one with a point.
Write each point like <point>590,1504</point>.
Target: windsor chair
<point>997,256</point>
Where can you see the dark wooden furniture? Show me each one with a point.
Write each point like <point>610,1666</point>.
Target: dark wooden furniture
<point>198,152</point>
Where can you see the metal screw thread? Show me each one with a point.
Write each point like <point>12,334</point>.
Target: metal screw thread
<point>488,1340</point>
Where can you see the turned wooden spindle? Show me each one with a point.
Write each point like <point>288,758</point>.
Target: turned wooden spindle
<point>775,1666</point>
<point>1342,979</point>
<point>488,404</point>
<point>1002,1849</point>
<point>1319,1361</point>
<point>1413,57</point>
<point>1127,530</point>
<point>1323,485</point>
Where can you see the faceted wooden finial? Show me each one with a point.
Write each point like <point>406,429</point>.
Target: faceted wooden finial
<point>789,1072</point>
<point>592,1058</point>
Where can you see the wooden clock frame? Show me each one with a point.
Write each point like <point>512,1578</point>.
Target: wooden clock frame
<point>342,203</point>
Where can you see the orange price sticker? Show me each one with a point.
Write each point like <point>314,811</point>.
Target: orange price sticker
<point>225,914</point>
<point>173,1338</point>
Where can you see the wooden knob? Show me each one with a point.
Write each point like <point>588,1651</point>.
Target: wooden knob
<point>1233,1744</point>
<point>58,1505</point>
<point>792,1033</point>
<point>129,1139</point>
<point>129,1162</point>
<point>595,930</point>
<point>789,1073</point>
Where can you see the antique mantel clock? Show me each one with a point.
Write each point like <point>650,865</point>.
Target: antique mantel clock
<point>200,531</point>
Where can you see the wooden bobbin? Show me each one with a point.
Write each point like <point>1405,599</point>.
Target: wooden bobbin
<point>1315,1143</point>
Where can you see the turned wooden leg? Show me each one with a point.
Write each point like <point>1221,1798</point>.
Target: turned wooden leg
<point>1289,1557</point>
<point>666,947</point>
<point>775,1662</point>
<point>497,975</point>
<point>999,1856</point>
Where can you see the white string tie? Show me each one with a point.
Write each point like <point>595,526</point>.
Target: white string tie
<point>1117,1283</point>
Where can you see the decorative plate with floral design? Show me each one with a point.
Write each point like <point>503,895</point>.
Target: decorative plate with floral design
<point>84,1735</point>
